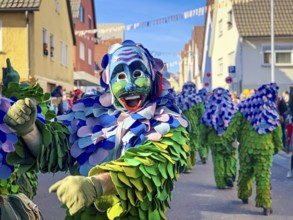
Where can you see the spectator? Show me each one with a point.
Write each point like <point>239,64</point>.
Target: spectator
<point>65,101</point>
<point>70,97</point>
<point>283,111</point>
<point>77,95</point>
<point>235,100</point>
<point>242,96</point>
<point>290,135</point>
<point>56,100</point>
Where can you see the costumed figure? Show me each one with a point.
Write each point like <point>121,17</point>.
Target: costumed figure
<point>16,179</point>
<point>221,121</point>
<point>187,102</point>
<point>127,146</point>
<point>203,149</point>
<point>260,137</point>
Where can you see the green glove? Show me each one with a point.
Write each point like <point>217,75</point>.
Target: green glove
<point>77,192</point>
<point>21,117</point>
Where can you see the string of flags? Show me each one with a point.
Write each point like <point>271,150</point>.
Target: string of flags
<point>89,34</point>
<point>185,15</point>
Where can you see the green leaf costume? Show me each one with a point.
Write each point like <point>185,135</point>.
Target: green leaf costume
<point>191,104</point>
<point>220,128</point>
<point>24,179</point>
<point>259,140</point>
<point>143,148</point>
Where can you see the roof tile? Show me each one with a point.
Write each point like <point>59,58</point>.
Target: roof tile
<point>75,5</point>
<point>253,19</point>
<point>19,4</point>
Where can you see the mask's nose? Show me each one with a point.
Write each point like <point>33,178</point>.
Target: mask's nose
<point>129,87</point>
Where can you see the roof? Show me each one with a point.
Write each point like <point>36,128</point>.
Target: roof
<point>253,18</point>
<point>75,5</point>
<point>20,5</point>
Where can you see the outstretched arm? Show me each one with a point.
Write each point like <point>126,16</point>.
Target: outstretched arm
<point>21,118</point>
<point>77,192</point>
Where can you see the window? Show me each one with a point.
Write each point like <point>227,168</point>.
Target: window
<point>45,42</point>
<point>220,28</point>
<point>230,20</point>
<point>0,36</point>
<point>81,51</point>
<point>89,56</point>
<point>57,6</point>
<point>283,58</point>
<point>66,55</point>
<point>52,46</point>
<point>61,52</point>
<point>220,66</point>
<point>283,55</point>
<point>81,14</point>
<point>90,22</point>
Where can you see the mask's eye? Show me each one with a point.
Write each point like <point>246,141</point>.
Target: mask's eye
<point>121,76</point>
<point>138,73</point>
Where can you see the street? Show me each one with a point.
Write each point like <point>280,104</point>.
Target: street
<point>195,197</point>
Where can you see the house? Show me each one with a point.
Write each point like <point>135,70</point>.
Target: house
<point>197,49</point>
<point>38,37</point>
<point>206,67</point>
<point>191,58</point>
<point>241,44</point>
<point>107,39</point>
<point>185,72</point>
<point>83,12</point>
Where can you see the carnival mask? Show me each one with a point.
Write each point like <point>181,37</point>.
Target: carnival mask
<point>130,78</point>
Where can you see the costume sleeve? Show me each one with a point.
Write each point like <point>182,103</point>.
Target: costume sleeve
<point>144,176</point>
<point>232,131</point>
<point>277,139</point>
<point>191,115</point>
<point>55,150</point>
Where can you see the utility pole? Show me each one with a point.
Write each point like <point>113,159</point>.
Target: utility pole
<point>272,43</point>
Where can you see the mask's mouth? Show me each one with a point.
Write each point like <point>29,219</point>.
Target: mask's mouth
<point>132,102</point>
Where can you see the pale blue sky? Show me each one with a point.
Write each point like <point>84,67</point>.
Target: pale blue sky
<point>169,37</point>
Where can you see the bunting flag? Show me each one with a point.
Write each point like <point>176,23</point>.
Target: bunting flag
<point>185,15</point>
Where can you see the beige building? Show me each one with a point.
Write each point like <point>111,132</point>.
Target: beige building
<point>38,38</point>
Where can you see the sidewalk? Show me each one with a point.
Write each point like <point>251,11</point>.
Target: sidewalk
<point>282,159</point>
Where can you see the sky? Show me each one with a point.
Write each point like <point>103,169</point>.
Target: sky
<point>166,38</point>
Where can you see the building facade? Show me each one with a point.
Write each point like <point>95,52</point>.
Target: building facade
<point>38,38</point>
<point>241,45</point>
<point>84,18</point>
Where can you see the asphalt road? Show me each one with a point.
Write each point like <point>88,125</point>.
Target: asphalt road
<point>195,197</point>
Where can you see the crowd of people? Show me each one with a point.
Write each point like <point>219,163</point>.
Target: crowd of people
<point>126,146</point>
<point>62,101</point>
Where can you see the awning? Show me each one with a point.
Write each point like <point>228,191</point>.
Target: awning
<point>85,79</point>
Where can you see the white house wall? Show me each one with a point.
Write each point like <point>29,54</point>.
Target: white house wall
<point>222,46</point>
<point>206,60</point>
<point>255,73</point>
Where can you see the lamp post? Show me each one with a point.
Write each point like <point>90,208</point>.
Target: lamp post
<point>272,43</point>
